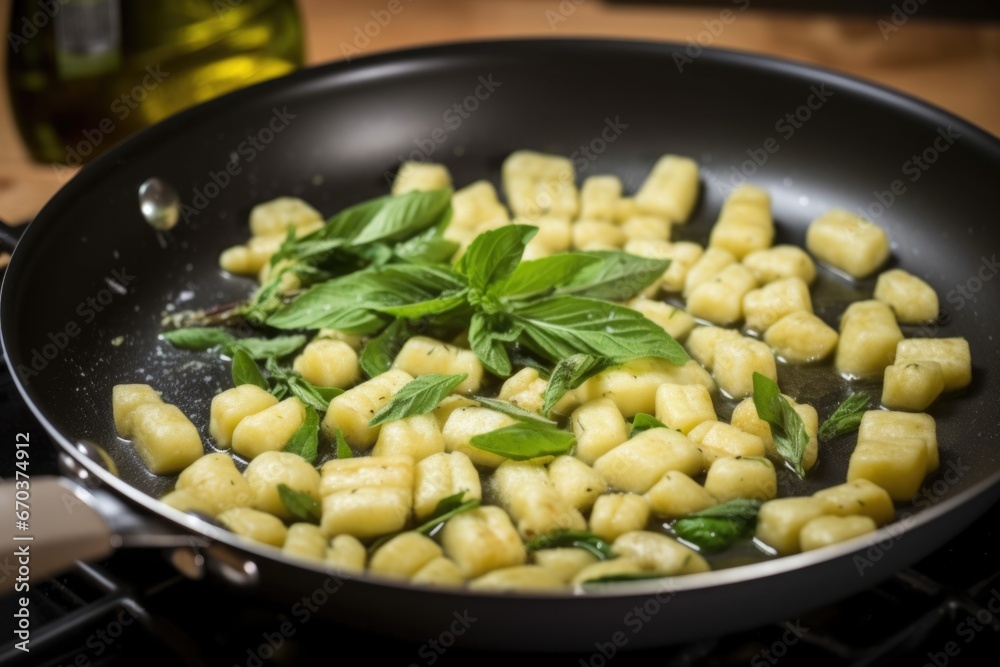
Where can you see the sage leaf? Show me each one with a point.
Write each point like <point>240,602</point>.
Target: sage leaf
<point>846,418</point>
<point>718,527</point>
<point>511,410</point>
<point>787,427</point>
<point>580,539</point>
<point>245,370</point>
<point>301,505</point>
<point>418,397</point>
<point>305,440</point>
<point>343,449</point>
<point>643,422</point>
<point>525,440</point>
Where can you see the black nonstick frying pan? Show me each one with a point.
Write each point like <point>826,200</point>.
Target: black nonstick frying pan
<point>83,296</point>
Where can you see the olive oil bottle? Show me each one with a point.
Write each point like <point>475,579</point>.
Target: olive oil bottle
<point>84,74</point>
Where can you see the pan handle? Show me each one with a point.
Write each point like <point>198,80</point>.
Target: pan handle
<point>10,235</point>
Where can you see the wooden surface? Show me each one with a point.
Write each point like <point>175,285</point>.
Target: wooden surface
<point>954,65</point>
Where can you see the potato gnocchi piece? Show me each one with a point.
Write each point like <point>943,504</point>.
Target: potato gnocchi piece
<point>752,477</point>
<point>540,184</point>
<point>646,227</point>
<point>764,306</point>
<point>709,265</point>
<point>564,562</point>
<point>847,242</point>
<point>589,235</point>
<point>684,406</point>
<point>442,475</point>
<point>449,404</point>
<point>268,430</point>
<point>555,235</point>
<point>677,323</point>
<point>269,469</point>
<point>868,339</point>
<point>276,216</point>
<point>464,424</point>
<point>420,176</point>
<point>720,300</point>
<point>439,572</point>
<point>404,555</point>
<point>255,525</point>
<point>745,224</point>
<point>304,540</point>
<point>421,355</point>
<point>703,340</point>
<point>608,568</point>
<point>346,553</point>
<point>671,189</point>
<point>599,196</point>
<point>598,427</point>
<point>418,437</point>
<point>801,338</point>
<point>125,398</point>
<point>164,438</point>
<point>859,497</point>
<point>737,360</point>
<point>525,389</point>
<point>745,418</point>
<point>481,540</point>
<point>682,255</point>
<point>632,385</point>
<point>719,439</point>
<point>328,363</point>
<point>475,205</point>
<point>230,407</point>
<point>518,578</point>
<point>576,481</point>
<point>615,514</point>
<point>366,496</point>
<point>951,353</point>
<point>677,495</point>
<point>639,463</point>
<point>217,483</point>
<point>525,491</point>
<point>781,261</point>
<point>912,386</point>
<point>352,410</point>
<point>780,521</point>
<point>659,553</point>
<point>898,465</point>
<point>826,530</point>
<point>889,425</point>
<point>913,300</point>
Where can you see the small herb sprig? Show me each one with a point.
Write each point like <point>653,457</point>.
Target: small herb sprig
<point>846,418</point>
<point>787,427</point>
<point>718,527</point>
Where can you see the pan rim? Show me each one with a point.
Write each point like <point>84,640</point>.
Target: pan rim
<point>375,66</point>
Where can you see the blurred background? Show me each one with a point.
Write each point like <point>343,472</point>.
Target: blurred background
<point>76,74</point>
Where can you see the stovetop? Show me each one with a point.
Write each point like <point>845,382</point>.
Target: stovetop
<point>134,609</point>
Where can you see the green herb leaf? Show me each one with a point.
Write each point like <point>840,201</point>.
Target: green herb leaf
<point>348,223</point>
<point>245,370</point>
<point>560,327</point>
<point>542,275</point>
<point>720,526</point>
<point>311,395</point>
<point>380,351</point>
<point>343,449</point>
<point>487,347</point>
<point>198,338</point>
<point>446,509</point>
<point>492,256</point>
<point>580,539</point>
<point>262,348</point>
<point>525,440</point>
<point>405,215</point>
<point>415,311</point>
<point>623,577</point>
<point>300,504</point>
<point>846,418</point>
<point>569,374</point>
<point>787,428</point>
<point>617,276</point>
<point>429,247</point>
<point>643,422</point>
<point>305,440</point>
<point>512,410</point>
<point>418,397</point>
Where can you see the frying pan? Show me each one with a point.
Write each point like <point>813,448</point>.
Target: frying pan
<point>814,139</point>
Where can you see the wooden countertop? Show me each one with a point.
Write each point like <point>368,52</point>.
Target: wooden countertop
<point>954,65</point>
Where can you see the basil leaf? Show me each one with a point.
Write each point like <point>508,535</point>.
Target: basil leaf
<point>542,275</point>
<point>245,370</point>
<point>580,539</point>
<point>562,326</point>
<point>494,255</point>
<point>512,410</point>
<point>525,440</point>
<point>437,520</point>
<point>380,351</point>
<point>617,276</point>
<point>623,577</point>
<point>311,395</point>
<point>198,338</point>
<point>350,221</point>
<point>846,418</point>
<point>719,527</point>
<point>418,397</point>
<point>429,247</point>
<point>262,348</point>
<point>524,358</point>
<point>487,347</point>
<point>301,505</point>
<point>787,428</point>
<point>569,374</point>
<point>404,215</point>
<point>415,311</point>
<point>343,449</point>
<point>643,422</point>
<point>305,440</point>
